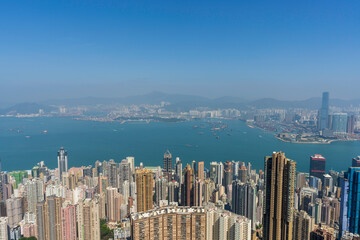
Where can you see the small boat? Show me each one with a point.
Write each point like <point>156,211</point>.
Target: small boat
<point>27,136</point>
<point>251,126</point>
<point>45,131</point>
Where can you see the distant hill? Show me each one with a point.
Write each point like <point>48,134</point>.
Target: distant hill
<point>26,108</point>
<point>179,102</point>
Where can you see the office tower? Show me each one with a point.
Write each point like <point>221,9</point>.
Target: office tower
<point>4,229</point>
<point>131,161</point>
<point>68,222</point>
<point>173,191</point>
<point>242,174</point>
<point>187,191</point>
<point>350,197</point>
<point>317,166</point>
<point>193,166</point>
<point>356,162</point>
<point>303,225</point>
<point>34,191</point>
<point>324,112</point>
<point>161,185</point>
<point>315,182</point>
<point>3,189</point>
<point>201,171</point>
<point>42,221</point>
<point>339,123</point>
<point>244,200</point>
<point>169,223</point>
<point>113,204</point>
<point>228,175</point>
<point>167,168</point>
<point>144,189</point>
<point>62,161</point>
<point>14,210</point>
<point>124,174</point>
<point>88,219</point>
<point>279,197</point>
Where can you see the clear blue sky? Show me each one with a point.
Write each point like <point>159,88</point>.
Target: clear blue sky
<point>251,49</point>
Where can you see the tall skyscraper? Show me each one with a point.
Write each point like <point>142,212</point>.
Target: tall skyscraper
<point>54,217</point>
<point>303,225</point>
<point>144,189</point>
<point>201,171</point>
<point>14,211</point>
<point>161,185</point>
<point>35,194</point>
<point>244,200</point>
<point>62,162</point>
<point>279,197</point>
<point>187,188</point>
<point>173,191</point>
<point>168,165</point>
<point>324,112</point>
<point>350,198</point>
<point>317,166</point>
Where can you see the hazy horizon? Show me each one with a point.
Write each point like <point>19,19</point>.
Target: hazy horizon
<point>287,51</point>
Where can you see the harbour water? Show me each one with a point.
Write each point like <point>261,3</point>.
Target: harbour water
<point>27,141</point>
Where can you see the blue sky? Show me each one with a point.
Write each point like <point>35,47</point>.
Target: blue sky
<point>250,49</point>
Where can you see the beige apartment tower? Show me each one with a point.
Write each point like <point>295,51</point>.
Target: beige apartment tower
<point>144,189</point>
<point>278,197</point>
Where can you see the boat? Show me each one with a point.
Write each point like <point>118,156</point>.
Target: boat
<point>251,126</point>
<point>45,131</point>
<point>27,136</point>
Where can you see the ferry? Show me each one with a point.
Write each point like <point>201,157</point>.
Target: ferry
<point>251,126</point>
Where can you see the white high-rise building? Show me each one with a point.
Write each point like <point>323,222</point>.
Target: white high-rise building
<point>62,161</point>
<point>34,191</point>
<point>4,233</point>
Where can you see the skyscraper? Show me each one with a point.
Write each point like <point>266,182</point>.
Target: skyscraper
<point>350,197</point>
<point>339,123</point>
<point>317,166</point>
<point>88,219</point>
<point>168,165</point>
<point>68,222</point>
<point>62,161</point>
<point>324,112</point>
<point>187,188</point>
<point>201,171</point>
<point>34,191</point>
<point>144,189</point>
<point>279,197</point>
<point>160,189</point>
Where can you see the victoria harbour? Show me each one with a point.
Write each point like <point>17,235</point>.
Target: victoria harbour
<point>27,141</point>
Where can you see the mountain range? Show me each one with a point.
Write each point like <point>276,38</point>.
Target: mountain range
<point>178,103</point>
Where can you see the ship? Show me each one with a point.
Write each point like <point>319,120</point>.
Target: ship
<point>45,131</point>
<point>251,126</point>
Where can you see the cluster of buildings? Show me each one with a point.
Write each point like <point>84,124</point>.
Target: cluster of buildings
<point>227,200</point>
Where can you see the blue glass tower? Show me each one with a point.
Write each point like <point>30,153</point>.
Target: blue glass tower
<point>350,201</point>
<point>324,112</point>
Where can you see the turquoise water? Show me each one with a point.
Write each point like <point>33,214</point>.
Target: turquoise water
<point>88,141</point>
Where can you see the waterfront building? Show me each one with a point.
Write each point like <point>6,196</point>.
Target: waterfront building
<point>317,166</point>
<point>62,161</point>
<point>279,197</point>
<point>167,167</point>
<point>144,189</point>
<point>339,124</point>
